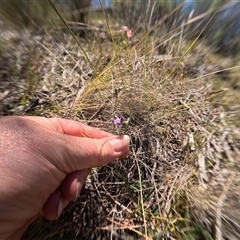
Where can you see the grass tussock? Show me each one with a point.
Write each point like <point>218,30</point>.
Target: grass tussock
<point>181,179</point>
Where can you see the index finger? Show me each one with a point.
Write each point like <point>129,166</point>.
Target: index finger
<point>70,127</point>
<point>74,128</point>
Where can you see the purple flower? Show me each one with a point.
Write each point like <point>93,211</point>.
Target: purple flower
<point>128,31</point>
<point>118,121</point>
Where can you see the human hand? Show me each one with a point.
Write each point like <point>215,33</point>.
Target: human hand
<point>44,164</point>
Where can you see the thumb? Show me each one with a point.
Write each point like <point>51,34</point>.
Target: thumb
<point>84,153</point>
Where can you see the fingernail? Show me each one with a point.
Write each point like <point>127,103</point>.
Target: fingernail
<point>78,189</point>
<point>119,143</point>
<point>62,204</point>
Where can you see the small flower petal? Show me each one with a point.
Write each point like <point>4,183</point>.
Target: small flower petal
<point>118,121</point>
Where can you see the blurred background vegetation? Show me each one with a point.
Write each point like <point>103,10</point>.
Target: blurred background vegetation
<point>222,33</point>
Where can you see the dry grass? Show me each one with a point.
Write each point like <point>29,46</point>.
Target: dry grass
<point>181,179</point>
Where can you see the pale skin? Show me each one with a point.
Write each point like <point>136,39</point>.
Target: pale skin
<point>44,164</point>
